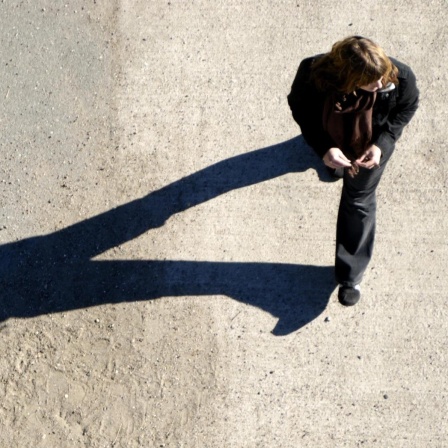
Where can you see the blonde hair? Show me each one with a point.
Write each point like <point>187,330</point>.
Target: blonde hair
<point>353,62</point>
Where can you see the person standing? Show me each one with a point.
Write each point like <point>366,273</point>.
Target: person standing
<point>352,104</point>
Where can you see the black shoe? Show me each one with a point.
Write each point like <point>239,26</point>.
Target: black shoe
<point>349,295</point>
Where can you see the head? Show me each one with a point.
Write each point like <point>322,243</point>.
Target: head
<point>353,63</point>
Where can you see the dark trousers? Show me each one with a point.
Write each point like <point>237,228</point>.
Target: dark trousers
<point>355,231</point>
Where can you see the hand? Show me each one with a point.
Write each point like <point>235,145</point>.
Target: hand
<point>335,158</point>
<point>370,159</point>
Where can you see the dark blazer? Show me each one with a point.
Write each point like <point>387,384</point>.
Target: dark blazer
<point>392,110</point>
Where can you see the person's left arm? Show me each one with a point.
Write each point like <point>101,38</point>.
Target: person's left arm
<point>401,113</point>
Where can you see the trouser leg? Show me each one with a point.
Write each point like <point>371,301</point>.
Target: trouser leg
<point>355,231</point>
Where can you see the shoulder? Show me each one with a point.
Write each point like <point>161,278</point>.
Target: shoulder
<point>307,63</point>
<point>404,71</point>
<point>407,92</point>
<point>303,77</point>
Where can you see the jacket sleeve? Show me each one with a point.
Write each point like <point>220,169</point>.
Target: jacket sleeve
<point>401,113</point>
<point>306,104</point>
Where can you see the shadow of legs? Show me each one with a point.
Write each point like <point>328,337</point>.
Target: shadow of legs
<point>52,273</point>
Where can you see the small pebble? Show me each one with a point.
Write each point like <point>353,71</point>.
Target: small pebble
<point>327,319</point>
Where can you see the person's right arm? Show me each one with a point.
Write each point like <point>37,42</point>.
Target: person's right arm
<point>306,104</point>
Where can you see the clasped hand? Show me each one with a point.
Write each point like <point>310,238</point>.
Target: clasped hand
<point>335,158</point>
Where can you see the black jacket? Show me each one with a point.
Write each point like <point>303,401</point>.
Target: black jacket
<point>392,110</point>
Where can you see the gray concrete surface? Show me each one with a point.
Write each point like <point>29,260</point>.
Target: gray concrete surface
<point>167,238</point>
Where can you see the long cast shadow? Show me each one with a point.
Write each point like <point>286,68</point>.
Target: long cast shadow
<point>55,273</point>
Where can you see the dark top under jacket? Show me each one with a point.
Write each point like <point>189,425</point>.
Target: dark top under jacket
<point>392,111</point>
